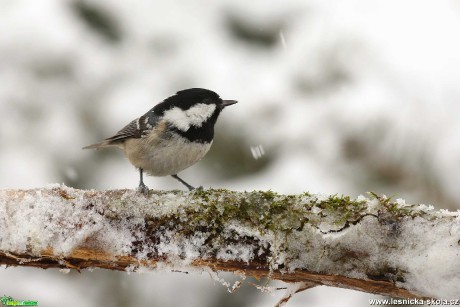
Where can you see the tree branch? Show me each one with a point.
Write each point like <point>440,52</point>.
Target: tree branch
<point>369,244</point>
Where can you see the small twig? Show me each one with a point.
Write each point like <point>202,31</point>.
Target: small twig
<point>293,289</point>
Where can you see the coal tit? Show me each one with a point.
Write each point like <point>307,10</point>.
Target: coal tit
<point>172,136</point>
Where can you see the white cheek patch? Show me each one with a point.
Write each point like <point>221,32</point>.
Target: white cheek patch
<point>195,116</point>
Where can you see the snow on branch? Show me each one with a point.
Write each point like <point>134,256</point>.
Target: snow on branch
<point>369,244</point>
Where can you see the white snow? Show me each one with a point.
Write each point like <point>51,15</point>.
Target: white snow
<point>230,288</point>
<point>283,40</point>
<point>257,151</point>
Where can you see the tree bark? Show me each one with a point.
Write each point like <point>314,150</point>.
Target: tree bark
<point>373,244</point>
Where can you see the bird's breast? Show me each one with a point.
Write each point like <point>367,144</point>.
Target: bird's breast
<point>164,155</point>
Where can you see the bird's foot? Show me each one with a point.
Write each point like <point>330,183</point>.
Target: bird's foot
<point>143,189</point>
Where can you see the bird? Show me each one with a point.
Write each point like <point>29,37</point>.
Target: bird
<point>172,136</point>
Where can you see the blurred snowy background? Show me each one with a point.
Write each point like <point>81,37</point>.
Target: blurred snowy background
<point>340,96</point>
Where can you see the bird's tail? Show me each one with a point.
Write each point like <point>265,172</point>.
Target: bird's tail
<point>103,144</point>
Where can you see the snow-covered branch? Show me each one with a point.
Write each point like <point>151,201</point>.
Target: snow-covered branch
<point>371,244</point>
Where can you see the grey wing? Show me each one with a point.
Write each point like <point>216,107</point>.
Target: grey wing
<point>136,129</point>
<point>131,130</point>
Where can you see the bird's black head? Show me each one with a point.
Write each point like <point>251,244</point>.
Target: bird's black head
<point>191,97</point>
<point>193,113</point>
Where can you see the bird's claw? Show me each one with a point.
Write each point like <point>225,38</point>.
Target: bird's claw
<point>143,189</point>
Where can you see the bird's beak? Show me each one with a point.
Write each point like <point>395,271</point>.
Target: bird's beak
<point>226,103</point>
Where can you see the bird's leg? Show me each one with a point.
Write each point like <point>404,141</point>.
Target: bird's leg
<point>142,187</point>
<point>191,188</point>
